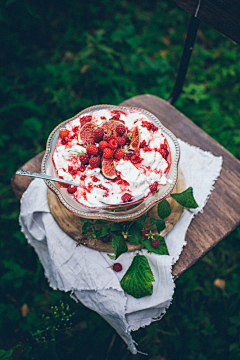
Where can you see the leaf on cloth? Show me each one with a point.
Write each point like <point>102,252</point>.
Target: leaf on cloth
<point>186,199</point>
<point>137,281</point>
<point>141,220</point>
<point>160,224</point>
<point>113,257</point>
<point>164,209</point>
<point>134,234</point>
<point>160,250</point>
<point>119,245</point>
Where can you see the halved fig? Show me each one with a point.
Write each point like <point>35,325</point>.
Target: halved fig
<point>110,126</point>
<point>108,168</point>
<point>85,134</point>
<point>135,142</point>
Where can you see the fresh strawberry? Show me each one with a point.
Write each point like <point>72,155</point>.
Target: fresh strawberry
<point>107,153</point>
<point>92,150</point>
<point>120,129</point>
<point>117,267</point>
<point>126,197</point>
<point>71,189</point>
<point>103,144</point>
<point>113,144</point>
<point>155,243</point>
<point>119,154</point>
<point>94,162</point>
<point>98,134</point>
<point>121,140</point>
<point>84,159</point>
<point>63,133</point>
<point>154,186</point>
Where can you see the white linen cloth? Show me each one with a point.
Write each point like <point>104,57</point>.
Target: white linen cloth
<point>86,272</point>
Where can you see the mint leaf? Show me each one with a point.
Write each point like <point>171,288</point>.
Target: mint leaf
<point>119,245</point>
<point>160,224</point>
<point>186,199</point>
<point>113,257</point>
<point>160,250</point>
<point>141,220</point>
<point>135,234</point>
<point>164,209</point>
<point>116,227</point>
<point>102,232</point>
<point>137,281</point>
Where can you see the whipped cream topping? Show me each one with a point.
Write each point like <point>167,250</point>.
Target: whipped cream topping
<point>135,175</point>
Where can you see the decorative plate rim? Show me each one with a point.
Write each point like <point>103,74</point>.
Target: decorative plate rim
<point>102,213</point>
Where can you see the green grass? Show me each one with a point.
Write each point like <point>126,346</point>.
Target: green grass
<point>56,59</point>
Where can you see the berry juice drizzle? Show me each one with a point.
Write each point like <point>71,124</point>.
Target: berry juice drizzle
<point>116,138</point>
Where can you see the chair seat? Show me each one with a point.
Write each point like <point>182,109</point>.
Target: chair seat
<point>222,212</point>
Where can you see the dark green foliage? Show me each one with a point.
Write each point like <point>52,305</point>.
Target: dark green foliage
<point>56,58</point>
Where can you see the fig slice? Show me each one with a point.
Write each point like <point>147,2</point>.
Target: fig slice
<point>110,125</point>
<point>108,168</point>
<point>85,134</point>
<point>135,142</point>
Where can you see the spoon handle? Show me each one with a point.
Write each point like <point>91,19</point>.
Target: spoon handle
<point>45,177</point>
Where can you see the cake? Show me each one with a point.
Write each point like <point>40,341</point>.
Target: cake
<point>115,156</point>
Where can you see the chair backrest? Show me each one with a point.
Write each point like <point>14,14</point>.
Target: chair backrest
<point>223,15</point>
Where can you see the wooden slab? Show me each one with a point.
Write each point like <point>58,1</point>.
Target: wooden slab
<point>223,15</point>
<point>222,212</point>
<point>72,225</point>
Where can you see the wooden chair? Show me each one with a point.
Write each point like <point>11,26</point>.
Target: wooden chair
<point>222,212</point>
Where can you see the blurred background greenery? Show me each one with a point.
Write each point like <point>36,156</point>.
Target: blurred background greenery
<point>58,57</point>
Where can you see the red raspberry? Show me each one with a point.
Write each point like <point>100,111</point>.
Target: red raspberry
<point>120,129</point>
<point>82,168</point>
<point>85,119</point>
<point>113,144</point>
<point>91,142</point>
<point>107,137</point>
<point>155,243</point>
<point>92,150</point>
<point>84,159</point>
<point>98,134</point>
<point>75,129</point>
<point>145,234</point>
<point>119,154</point>
<point>154,186</point>
<point>107,153</point>
<point>71,170</point>
<point>103,144</point>
<point>117,267</point>
<point>127,138</point>
<point>64,140</point>
<point>126,197</point>
<point>63,133</point>
<point>121,140</point>
<point>71,189</point>
<point>94,162</point>
<point>164,151</point>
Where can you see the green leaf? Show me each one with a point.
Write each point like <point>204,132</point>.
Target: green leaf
<point>102,232</point>
<point>141,220</point>
<point>7,355</point>
<point>134,234</point>
<point>164,209</point>
<point>86,226</point>
<point>85,220</point>
<point>160,224</point>
<point>186,199</point>
<point>119,245</point>
<point>160,250</point>
<point>137,281</point>
<point>113,257</point>
<point>116,227</point>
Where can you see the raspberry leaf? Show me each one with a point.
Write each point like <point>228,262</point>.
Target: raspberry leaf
<point>134,234</point>
<point>186,199</point>
<point>137,281</point>
<point>119,245</point>
<point>164,209</point>
<point>160,224</point>
<point>102,232</point>
<point>141,220</point>
<point>85,227</point>
<point>160,250</point>
<point>116,227</point>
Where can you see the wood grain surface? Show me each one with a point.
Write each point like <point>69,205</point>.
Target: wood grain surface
<point>72,225</point>
<point>222,212</point>
<point>223,15</point>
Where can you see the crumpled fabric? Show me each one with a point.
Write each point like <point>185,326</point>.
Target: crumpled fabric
<point>87,273</point>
